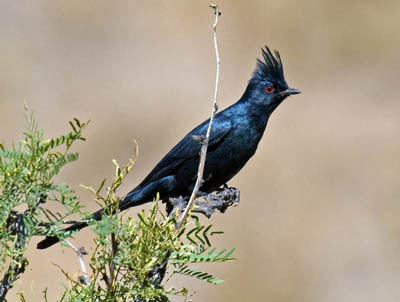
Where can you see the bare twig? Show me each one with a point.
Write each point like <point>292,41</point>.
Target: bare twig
<point>112,264</point>
<point>84,278</point>
<point>220,200</point>
<point>204,144</point>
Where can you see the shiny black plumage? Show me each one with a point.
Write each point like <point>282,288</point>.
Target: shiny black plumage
<point>235,134</point>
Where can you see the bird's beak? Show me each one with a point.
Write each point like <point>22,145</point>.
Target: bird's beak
<point>290,91</point>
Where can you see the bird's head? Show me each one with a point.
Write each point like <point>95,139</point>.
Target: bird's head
<point>268,85</point>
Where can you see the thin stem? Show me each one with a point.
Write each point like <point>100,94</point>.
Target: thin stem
<point>84,279</point>
<point>204,145</point>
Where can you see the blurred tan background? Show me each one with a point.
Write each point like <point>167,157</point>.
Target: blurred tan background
<point>319,218</point>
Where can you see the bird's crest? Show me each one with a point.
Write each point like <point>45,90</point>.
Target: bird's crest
<point>270,67</point>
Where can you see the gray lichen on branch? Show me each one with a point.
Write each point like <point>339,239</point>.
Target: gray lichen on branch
<point>220,200</point>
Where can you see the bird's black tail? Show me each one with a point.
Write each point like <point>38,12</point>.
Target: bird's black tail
<point>50,240</point>
<point>136,197</point>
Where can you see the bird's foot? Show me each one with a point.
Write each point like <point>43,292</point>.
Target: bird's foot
<point>176,205</point>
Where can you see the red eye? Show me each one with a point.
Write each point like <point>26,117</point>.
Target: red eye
<point>269,89</point>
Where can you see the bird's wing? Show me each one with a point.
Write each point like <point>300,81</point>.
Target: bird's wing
<point>189,148</point>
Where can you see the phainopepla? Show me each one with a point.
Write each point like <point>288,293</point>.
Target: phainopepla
<point>235,134</point>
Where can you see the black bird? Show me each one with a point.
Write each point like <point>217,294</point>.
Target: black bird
<point>235,134</point>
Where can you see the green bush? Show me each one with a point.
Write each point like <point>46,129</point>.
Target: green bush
<point>132,259</point>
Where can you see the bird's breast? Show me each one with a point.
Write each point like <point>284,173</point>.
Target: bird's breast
<point>229,158</point>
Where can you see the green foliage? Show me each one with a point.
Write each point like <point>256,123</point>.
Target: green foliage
<point>129,256</point>
<point>132,259</point>
<point>199,250</point>
<point>27,169</point>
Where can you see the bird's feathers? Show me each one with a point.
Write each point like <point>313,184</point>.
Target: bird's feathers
<point>187,149</point>
<point>234,138</point>
<point>270,68</point>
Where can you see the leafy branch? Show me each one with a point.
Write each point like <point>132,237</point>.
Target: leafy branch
<point>132,256</point>
<point>27,169</point>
